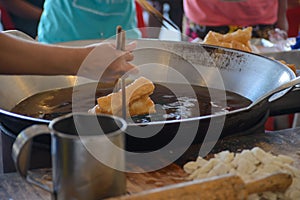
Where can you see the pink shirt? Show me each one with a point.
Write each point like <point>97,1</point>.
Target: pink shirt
<point>242,13</point>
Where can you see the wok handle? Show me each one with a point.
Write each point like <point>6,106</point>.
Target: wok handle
<point>291,84</point>
<point>21,153</point>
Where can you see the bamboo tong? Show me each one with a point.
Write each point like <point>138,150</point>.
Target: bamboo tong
<point>226,187</point>
<point>120,45</point>
<point>120,38</point>
<point>155,13</point>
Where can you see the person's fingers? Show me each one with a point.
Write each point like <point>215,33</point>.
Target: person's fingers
<point>128,56</point>
<point>123,67</point>
<point>132,69</point>
<point>110,76</point>
<point>131,46</point>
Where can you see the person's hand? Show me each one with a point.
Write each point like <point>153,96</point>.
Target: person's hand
<point>106,63</point>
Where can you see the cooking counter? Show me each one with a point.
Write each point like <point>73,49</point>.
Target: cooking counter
<point>285,142</point>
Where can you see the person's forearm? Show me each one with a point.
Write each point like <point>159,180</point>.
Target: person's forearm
<point>282,22</point>
<point>24,57</point>
<point>22,8</point>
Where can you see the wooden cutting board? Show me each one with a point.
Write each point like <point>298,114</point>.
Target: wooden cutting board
<point>218,187</point>
<point>137,182</point>
<point>286,142</point>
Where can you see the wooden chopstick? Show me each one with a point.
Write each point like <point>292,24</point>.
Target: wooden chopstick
<point>119,38</point>
<point>120,45</point>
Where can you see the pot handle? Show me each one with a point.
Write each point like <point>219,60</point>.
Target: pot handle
<point>291,84</point>
<point>21,153</point>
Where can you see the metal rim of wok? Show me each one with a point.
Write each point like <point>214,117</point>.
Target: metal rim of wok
<point>218,49</point>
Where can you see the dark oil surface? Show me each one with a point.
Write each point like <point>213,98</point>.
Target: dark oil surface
<point>173,101</point>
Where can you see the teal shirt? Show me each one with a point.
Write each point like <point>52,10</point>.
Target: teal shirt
<point>69,20</point>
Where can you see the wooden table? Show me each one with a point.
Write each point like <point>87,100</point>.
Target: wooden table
<point>279,142</point>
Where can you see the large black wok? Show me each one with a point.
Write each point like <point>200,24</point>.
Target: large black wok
<point>252,76</point>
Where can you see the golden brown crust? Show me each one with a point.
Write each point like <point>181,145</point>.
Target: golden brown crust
<point>137,94</point>
<point>142,106</point>
<point>291,66</point>
<point>239,39</point>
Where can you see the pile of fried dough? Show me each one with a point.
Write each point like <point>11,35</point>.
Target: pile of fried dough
<point>239,39</point>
